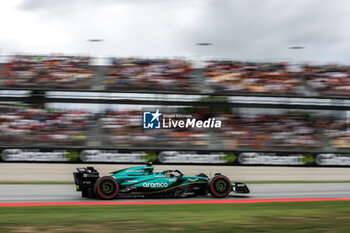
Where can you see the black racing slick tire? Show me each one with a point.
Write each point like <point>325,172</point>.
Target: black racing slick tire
<point>106,188</point>
<point>219,186</point>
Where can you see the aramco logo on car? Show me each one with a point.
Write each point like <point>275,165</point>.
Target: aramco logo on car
<point>155,185</point>
<point>157,120</point>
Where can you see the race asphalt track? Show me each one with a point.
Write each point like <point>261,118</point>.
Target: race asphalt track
<point>66,193</point>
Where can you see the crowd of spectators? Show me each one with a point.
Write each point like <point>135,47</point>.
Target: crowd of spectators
<point>285,131</point>
<point>34,126</point>
<point>159,75</point>
<point>337,131</point>
<point>124,128</point>
<point>74,72</point>
<point>48,127</point>
<point>47,71</point>
<point>328,79</point>
<point>266,78</point>
<point>40,126</point>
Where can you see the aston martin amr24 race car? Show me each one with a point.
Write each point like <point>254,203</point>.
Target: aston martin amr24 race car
<point>142,181</point>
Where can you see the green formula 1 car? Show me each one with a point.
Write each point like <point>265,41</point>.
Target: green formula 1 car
<point>142,181</point>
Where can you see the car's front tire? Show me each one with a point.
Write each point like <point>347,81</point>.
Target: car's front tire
<point>219,186</point>
<point>106,188</point>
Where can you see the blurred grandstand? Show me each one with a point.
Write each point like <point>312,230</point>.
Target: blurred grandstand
<point>162,75</point>
<point>44,127</point>
<point>123,129</point>
<point>148,75</point>
<point>241,77</point>
<point>33,124</point>
<point>47,71</point>
<point>328,80</point>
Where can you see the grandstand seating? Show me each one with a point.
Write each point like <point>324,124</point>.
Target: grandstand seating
<point>47,71</point>
<point>166,75</point>
<point>28,125</point>
<point>34,126</point>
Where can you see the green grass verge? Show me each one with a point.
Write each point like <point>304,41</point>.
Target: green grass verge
<point>264,217</point>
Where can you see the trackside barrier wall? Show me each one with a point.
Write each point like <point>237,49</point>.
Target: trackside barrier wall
<point>69,155</point>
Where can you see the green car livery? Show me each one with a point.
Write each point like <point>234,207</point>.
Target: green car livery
<point>142,181</point>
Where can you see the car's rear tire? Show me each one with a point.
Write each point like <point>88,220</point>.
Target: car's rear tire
<point>106,188</point>
<point>219,186</point>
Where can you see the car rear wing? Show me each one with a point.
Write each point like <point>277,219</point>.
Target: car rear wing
<point>85,178</point>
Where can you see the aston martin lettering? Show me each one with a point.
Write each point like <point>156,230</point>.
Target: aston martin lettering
<point>132,181</point>
<point>135,171</point>
<point>192,179</point>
